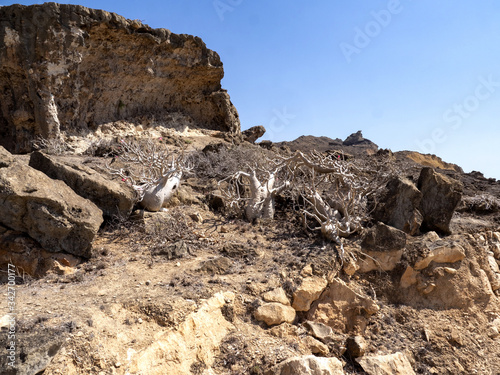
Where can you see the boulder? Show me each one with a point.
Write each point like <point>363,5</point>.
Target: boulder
<point>440,197</point>
<point>276,295</point>
<point>274,313</point>
<point>391,364</point>
<point>399,206</point>
<point>47,210</point>
<point>35,348</point>
<point>356,346</point>
<point>319,330</point>
<point>308,292</point>
<point>383,246</point>
<point>62,85</point>
<point>253,133</point>
<point>113,198</point>
<point>308,365</point>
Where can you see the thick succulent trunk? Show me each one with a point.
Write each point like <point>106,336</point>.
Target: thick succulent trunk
<point>157,195</point>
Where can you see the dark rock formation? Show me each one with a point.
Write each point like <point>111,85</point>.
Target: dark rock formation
<point>399,206</point>
<point>48,210</point>
<point>70,68</point>
<point>440,197</point>
<point>112,198</point>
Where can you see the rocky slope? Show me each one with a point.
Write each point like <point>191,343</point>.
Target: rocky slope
<point>192,290</point>
<point>67,68</point>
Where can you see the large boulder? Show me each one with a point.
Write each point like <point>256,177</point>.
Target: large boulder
<point>112,198</point>
<point>399,206</point>
<point>70,68</point>
<point>440,197</point>
<point>48,210</point>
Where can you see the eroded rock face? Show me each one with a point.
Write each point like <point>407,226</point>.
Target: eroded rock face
<point>71,68</point>
<point>47,210</point>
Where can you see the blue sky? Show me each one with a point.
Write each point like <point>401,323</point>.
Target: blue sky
<point>412,75</point>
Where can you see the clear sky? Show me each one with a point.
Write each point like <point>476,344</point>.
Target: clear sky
<point>412,75</point>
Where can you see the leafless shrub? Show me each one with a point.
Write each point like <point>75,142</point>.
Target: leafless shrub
<point>482,203</point>
<point>51,146</point>
<point>152,170</point>
<point>220,161</point>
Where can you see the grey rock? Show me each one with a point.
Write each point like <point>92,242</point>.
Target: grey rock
<point>112,198</point>
<point>47,210</point>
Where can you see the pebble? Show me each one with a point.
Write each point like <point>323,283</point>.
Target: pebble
<point>148,282</point>
<point>139,320</point>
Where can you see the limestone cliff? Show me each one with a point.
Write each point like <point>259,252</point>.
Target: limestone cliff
<point>70,68</point>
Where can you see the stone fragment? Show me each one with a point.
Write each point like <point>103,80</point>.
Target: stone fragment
<point>319,330</point>
<point>409,278</point>
<point>308,365</point>
<point>356,346</point>
<point>391,364</point>
<point>440,197</point>
<point>273,313</point>
<point>276,295</point>
<point>308,292</point>
<point>315,346</point>
<point>342,308</point>
<point>55,89</point>
<point>113,198</point>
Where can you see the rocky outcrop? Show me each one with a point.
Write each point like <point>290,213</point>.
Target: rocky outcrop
<point>399,206</point>
<point>254,133</point>
<point>440,197</point>
<point>112,198</point>
<point>47,210</point>
<point>70,68</point>
<point>195,340</point>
